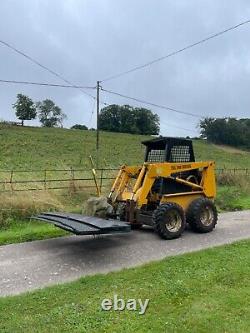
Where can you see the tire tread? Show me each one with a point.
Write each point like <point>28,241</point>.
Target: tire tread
<point>158,218</point>
<point>193,215</point>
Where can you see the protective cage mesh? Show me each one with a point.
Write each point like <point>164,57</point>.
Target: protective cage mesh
<point>156,155</point>
<point>180,154</point>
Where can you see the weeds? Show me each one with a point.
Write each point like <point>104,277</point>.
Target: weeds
<point>233,192</point>
<point>23,205</point>
<point>231,179</point>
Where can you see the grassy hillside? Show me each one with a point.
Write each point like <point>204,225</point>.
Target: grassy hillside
<point>40,148</point>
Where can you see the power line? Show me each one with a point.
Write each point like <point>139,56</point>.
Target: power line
<point>178,127</point>
<point>44,67</point>
<point>161,122</point>
<point>152,104</point>
<point>175,52</point>
<point>50,71</point>
<point>45,84</point>
<point>50,85</point>
<point>92,113</point>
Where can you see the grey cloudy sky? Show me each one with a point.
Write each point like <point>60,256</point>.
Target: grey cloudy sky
<point>89,40</point>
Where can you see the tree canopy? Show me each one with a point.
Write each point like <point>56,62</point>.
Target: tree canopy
<point>229,131</point>
<point>128,119</point>
<point>80,127</point>
<point>50,115</point>
<point>25,108</point>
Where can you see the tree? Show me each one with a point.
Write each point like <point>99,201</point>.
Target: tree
<point>229,131</point>
<point>80,127</point>
<point>25,108</point>
<point>147,122</point>
<point>127,119</point>
<point>50,115</point>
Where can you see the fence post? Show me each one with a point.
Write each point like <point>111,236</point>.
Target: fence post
<point>72,184</point>
<point>72,173</point>
<point>11,178</point>
<point>45,178</point>
<point>101,181</point>
<point>94,175</point>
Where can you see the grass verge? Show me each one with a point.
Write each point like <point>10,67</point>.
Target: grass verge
<point>24,231</point>
<point>233,192</point>
<point>232,198</point>
<point>206,291</point>
<point>16,210</point>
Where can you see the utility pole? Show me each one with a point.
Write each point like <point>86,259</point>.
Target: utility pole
<point>97,121</point>
<point>97,115</point>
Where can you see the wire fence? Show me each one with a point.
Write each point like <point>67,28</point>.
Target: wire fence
<point>75,179</point>
<point>54,179</point>
<point>235,171</point>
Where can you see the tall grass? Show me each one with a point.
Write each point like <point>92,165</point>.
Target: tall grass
<point>231,179</point>
<point>233,192</point>
<point>18,205</point>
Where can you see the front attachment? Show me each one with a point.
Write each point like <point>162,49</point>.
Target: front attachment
<point>84,225</point>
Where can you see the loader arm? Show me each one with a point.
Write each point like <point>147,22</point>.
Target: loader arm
<point>120,190</point>
<point>149,172</point>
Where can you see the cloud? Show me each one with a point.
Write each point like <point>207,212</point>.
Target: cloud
<point>89,40</point>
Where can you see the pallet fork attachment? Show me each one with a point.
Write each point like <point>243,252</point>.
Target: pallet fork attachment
<point>84,225</point>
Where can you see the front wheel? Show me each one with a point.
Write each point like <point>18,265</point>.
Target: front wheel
<point>169,220</point>
<point>202,215</point>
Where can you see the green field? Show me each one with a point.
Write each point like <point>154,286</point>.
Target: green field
<point>207,291</point>
<point>41,148</point>
<point>32,148</point>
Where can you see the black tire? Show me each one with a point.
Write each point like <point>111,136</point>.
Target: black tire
<point>202,215</point>
<point>169,220</point>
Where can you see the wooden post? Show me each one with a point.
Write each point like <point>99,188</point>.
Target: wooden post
<point>97,122</point>
<point>101,181</point>
<point>11,178</point>
<point>94,176</point>
<point>45,178</point>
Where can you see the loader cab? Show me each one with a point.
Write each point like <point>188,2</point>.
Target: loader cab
<point>167,149</point>
<point>171,150</point>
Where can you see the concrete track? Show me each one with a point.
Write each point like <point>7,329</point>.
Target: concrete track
<point>37,264</point>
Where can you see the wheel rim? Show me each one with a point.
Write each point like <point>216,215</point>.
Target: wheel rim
<point>207,216</point>
<point>173,221</point>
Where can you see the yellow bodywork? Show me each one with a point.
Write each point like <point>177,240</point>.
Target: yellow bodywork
<point>135,183</point>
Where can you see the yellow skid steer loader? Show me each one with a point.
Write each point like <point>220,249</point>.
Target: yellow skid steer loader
<point>167,191</point>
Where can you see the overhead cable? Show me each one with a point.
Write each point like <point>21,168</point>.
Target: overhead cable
<point>147,64</point>
<point>44,67</point>
<point>44,84</point>
<point>152,104</point>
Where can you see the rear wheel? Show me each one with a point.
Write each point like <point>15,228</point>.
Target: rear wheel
<point>202,215</point>
<point>169,220</point>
